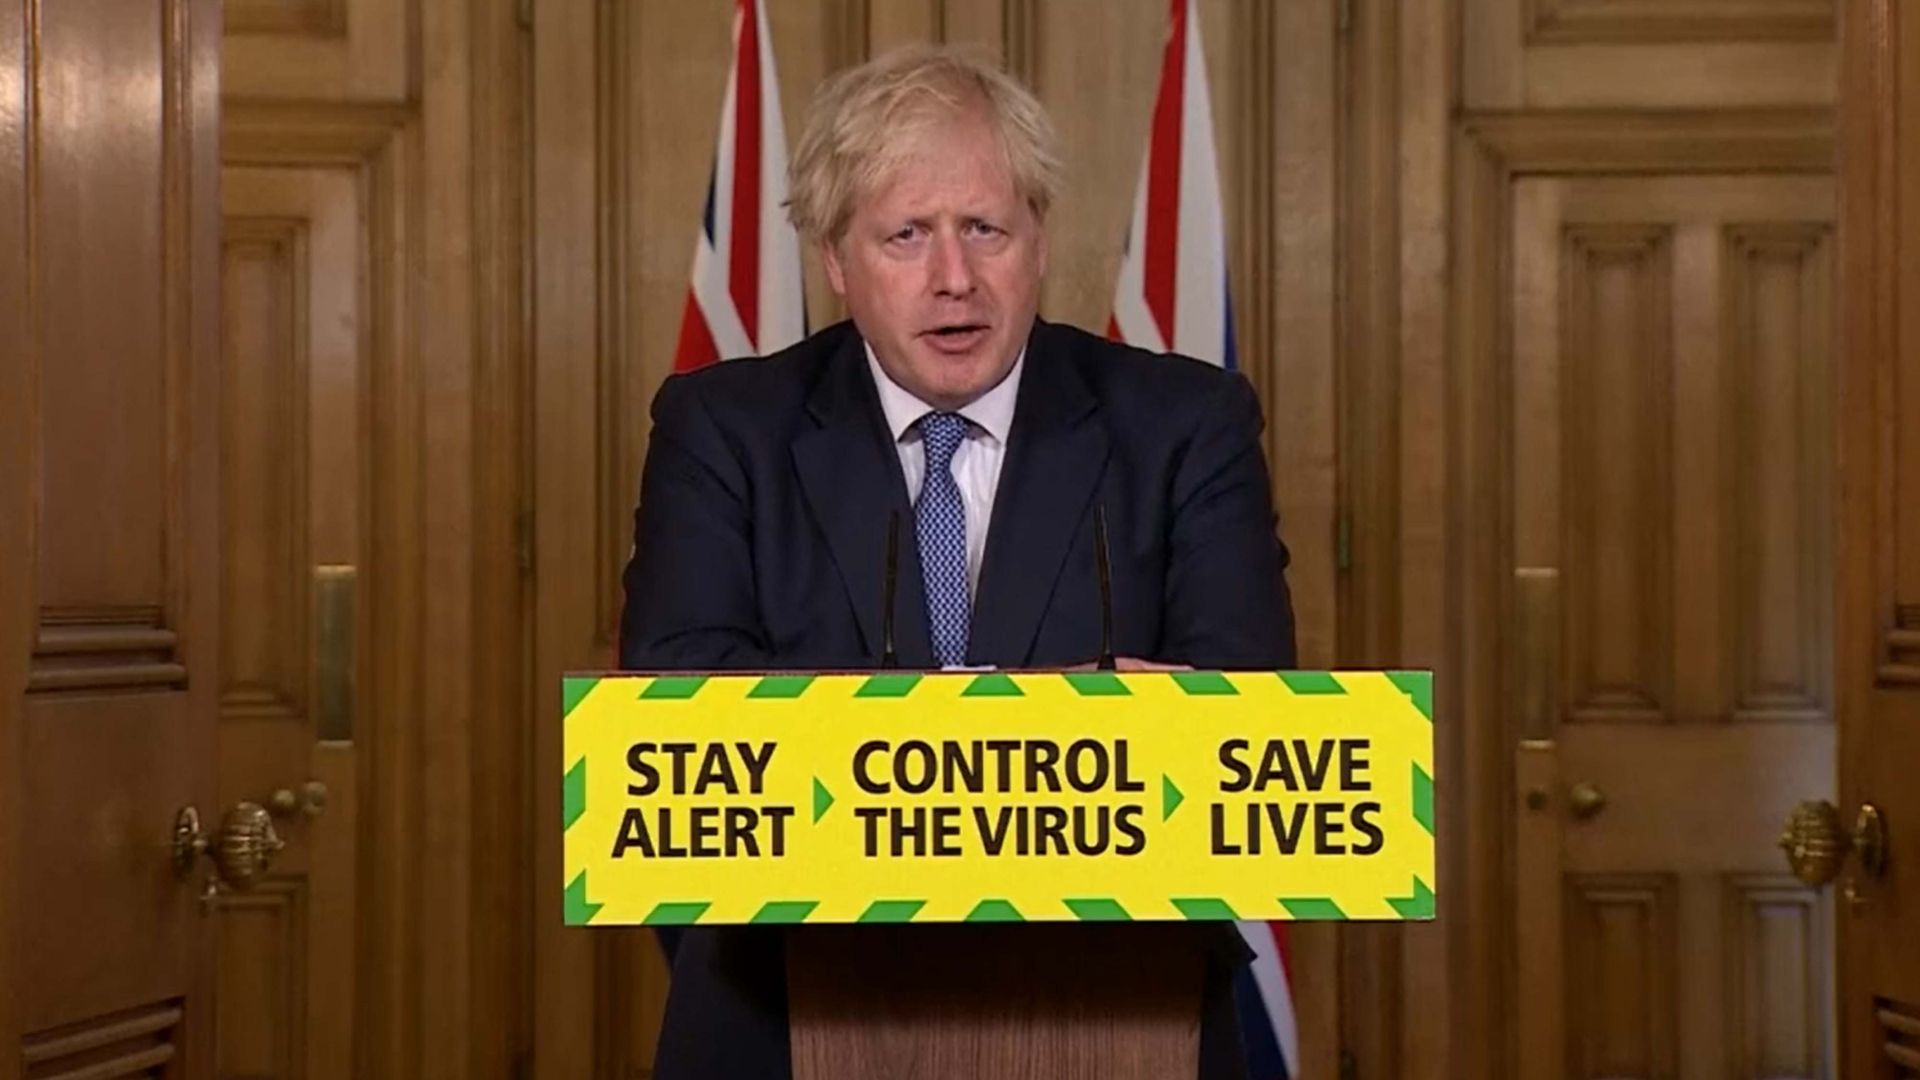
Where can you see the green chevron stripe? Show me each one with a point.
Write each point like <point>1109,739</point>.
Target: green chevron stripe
<point>673,687</point>
<point>888,685</point>
<point>1313,907</point>
<point>1170,797</point>
<point>1312,682</point>
<point>573,794</point>
<point>781,686</point>
<point>1423,798</point>
<point>573,689</point>
<point>822,800</point>
<point>1417,685</point>
<point>892,911</point>
<point>684,913</point>
<point>1418,906</point>
<point>783,912</point>
<point>995,911</point>
<point>994,684</point>
<point>1098,909</point>
<point>1204,907</point>
<point>1205,683</point>
<point>577,912</point>
<point>1097,684</point>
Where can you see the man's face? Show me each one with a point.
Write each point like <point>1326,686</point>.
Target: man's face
<point>941,265</point>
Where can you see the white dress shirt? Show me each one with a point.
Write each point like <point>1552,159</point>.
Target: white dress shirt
<point>976,463</point>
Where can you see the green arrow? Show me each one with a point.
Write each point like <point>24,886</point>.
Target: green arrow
<point>995,911</point>
<point>1422,797</point>
<point>573,690</point>
<point>1313,908</point>
<point>783,912</point>
<point>573,794</point>
<point>822,799</point>
<point>1417,685</point>
<point>576,909</point>
<point>892,911</point>
<point>677,913</point>
<point>1204,907</point>
<point>1170,797</point>
<point>1098,909</point>
<point>1418,906</point>
<point>993,684</point>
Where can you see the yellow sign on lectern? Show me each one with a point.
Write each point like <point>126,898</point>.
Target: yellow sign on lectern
<point>897,797</point>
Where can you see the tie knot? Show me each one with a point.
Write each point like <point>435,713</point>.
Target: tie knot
<point>942,432</point>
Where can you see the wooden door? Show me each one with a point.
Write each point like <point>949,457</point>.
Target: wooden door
<point>1878,606</point>
<point>1640,514</point>
<point>313,197</point>
<point>1671,509</point>
<point>372,380</point>
<point>292,472</point>
<point>109,532</point>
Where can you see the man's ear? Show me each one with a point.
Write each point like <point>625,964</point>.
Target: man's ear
<point>1038,222</point>
<point>836,274</point>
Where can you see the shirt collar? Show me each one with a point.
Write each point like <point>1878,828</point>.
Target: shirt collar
<point>991,412</point>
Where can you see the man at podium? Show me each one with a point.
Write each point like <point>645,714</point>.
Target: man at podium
<point>1015,486</point>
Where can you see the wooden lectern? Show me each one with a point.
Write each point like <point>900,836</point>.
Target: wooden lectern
<point>1029,1001</point>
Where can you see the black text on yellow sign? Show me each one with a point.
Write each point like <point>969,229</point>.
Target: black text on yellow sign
<point>947,797</point>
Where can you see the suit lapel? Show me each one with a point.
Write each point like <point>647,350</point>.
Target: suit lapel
<point>1056,453</point>
<point>850,474</point>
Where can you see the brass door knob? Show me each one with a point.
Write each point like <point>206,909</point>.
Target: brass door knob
<point>241,852</point>
<point>1870,840</point>
<point>1817,844</point>
<point>1814,844</point>
<point>310,800</point>
<point>1584,800</point>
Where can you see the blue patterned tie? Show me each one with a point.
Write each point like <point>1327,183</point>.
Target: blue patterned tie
<point>940,518</point>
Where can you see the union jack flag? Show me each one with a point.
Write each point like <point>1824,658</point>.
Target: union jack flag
<point>1172,296</point>
<point>747,296</point>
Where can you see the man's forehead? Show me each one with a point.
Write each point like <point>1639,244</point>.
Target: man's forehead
<point>942,176</point>
<point>907,197</point>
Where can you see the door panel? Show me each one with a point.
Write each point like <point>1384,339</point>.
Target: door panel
<point>317,49</point>
<point>295,403</point>
<point>112,600</point>
<point>1647,53</point>
<point>1671,501</point>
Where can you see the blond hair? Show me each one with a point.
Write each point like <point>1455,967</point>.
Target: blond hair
<point>862,125</point>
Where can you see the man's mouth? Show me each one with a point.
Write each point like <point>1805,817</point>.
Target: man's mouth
<point>956,337</point>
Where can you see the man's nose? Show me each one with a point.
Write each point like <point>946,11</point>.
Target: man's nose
<point>951,266</point>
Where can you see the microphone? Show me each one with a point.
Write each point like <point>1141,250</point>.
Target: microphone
<point>1103,564</point>
<point>888,658</point>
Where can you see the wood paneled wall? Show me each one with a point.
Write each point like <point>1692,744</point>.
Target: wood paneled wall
<point>538,169</point>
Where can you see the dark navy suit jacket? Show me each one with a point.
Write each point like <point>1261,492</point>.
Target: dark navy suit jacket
<point>760,544</point>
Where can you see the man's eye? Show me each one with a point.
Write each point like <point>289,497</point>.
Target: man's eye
<point>981,228</point>
<point>905,232</point>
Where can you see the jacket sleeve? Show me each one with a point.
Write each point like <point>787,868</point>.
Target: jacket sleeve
<point>690,597</point>
<point>1227,603</point>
